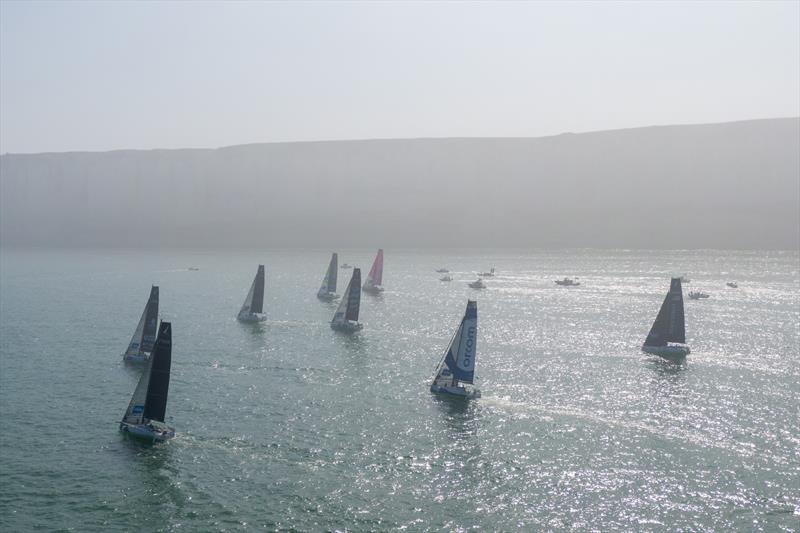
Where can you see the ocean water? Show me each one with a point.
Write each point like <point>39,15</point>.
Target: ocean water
<point>289,425</point>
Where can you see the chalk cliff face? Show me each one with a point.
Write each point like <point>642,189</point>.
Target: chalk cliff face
<point>731,185</point>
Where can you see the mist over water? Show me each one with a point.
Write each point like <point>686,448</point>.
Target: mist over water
<point>292,425</point>
<point>723,186</point>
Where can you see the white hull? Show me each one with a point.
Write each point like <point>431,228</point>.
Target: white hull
<point>251,318</point>
<point>147,432</point>
<point>348,327</point>
<point>672,352</point>
<point>327,296</point>
<point>457,390</point>
<point>372,289</point>
<point>136,358</point>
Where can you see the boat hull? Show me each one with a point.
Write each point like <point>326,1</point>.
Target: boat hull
<point>456,391</point>
<point>251,318</point>
<point>372,289</point>
<point>347,327</point>
<point>673,352</point>
<point>138,358</point>
<point>146,432</point>
<point>327,296</point>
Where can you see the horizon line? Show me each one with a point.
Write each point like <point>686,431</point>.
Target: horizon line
<point>394,139</point>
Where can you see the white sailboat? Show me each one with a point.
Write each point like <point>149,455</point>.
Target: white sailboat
<point>327,291</point>
<point>374,281</point>
<point>346,316</point>
<point>457,367</point>
<point>667,337</point>
<point>144,417</point>
<point>145,334</point>
<point>253,306</point>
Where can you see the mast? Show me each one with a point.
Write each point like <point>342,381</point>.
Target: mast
<point>670,324</point>
<point>155,405</point>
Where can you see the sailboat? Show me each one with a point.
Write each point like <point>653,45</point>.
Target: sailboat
<point>667,337</point>
<point>375,276</point>
<point>346,316</point>
<point>328,289</point>
<point>145,415</point>
<point>145,334</point>
<point>253,305</point>
<point>457,367</point>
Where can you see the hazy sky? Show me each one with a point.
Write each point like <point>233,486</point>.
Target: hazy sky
<point>106,75</point>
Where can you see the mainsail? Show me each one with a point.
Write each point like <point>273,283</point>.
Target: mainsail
<point>145,404</point>
<point>329,282</point>
<point>351,301</point>
<point>145,333</point>
<point>151,321</point>
<point>155,404</point>
<point>375,276</point>
<point>670,325</point>
<point>458,363</point>
<point>254,302</point>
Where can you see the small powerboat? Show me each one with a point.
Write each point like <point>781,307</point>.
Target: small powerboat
<point>446,277</point>
<point>489,274</point>
<point>732,285</point>
<point>345,265</point>
<point>442,270</point>
<point>697,295</point>
<point>567,282</point>
<point>478,284</point>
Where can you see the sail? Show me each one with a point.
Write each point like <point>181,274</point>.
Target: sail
<point>254,302</point>
<point>150,321</point>
<point>351,302</point>
<point>135,412</point>
<point>375,276</point>
<point>155,404</point>
<point>669,325</point>
<point>329,282</point>
<point>458,363</point>
<point>257,304</point>
<point>145,333</point>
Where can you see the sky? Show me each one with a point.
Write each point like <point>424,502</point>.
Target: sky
<point>111,75</point>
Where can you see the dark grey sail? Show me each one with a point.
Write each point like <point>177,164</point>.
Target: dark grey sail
<point>333,270</point>
<point>155,404</point>
<point>257,305</point>
<point>354,296</point>
<point>150,321</point>
<point>670,325</point>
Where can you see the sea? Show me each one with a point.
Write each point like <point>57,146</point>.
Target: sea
<point>291,426</point>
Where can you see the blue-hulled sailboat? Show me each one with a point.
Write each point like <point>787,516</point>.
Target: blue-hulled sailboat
<point>457,367</point>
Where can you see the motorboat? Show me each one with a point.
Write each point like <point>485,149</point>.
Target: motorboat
<point>567,282</point>
<point>697,295</point>
<point>732,285</point>
<point>489,274</point>
<point>478,284</point>
<point>446,277</point>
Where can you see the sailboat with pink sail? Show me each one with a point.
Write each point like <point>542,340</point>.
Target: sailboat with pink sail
<point>373,284</point>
